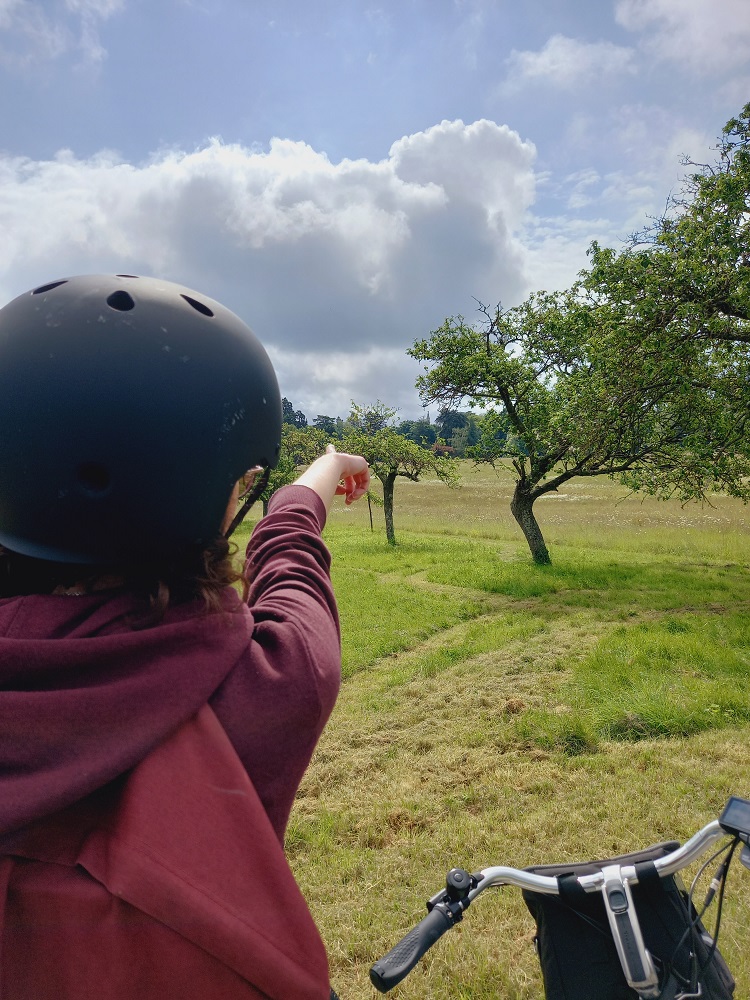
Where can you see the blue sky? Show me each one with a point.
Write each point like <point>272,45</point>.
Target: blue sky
<point>346,174</point>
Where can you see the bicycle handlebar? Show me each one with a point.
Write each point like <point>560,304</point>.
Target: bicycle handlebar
<point>668,865</point>
<point>445,913</point>
<point>402,958</point>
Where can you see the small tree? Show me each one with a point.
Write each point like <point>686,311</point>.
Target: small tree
<point>370,419</point>
<point>391,455</point>
<point>299,446</point>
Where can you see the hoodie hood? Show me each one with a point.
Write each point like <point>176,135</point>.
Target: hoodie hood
<point>79,711</point>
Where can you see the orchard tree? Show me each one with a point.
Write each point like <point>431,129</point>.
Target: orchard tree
<point>391,455</point>
<point>369,420</point>
<point>679,294</point>
<point>299,447</point>
<point>565,402</point>
<point>687,276</point>
<point>503,365</point>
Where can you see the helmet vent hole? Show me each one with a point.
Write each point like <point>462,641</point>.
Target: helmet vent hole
<point>48,288</point>
<point>198,306</point>
<point>126,275</point>
<point>93,478</point>
<point>121,301</point>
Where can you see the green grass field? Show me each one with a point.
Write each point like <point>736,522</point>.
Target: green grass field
<point>498,712</point>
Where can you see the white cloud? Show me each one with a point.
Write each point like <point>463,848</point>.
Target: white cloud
<point>567,62</point>
<point>556,248</point>
<point>31,32</point>
<point>27,34</point>
<point>645,147</point>
<point>468,159</point>
<point>581,182</point>
<point>705,36</point>
<point>325,260</point>
<point>327,383</point>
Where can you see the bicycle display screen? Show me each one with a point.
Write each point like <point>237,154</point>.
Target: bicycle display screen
<point>736,817</point>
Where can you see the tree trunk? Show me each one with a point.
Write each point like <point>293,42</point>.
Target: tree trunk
<point>521,507</point>
<point>388,484</point>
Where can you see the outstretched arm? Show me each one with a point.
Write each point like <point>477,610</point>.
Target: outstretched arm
<point>336,473</point>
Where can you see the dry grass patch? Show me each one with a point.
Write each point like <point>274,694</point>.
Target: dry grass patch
<point>393,840</point>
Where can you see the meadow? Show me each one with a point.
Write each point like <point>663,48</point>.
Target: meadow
<point>498,712</point>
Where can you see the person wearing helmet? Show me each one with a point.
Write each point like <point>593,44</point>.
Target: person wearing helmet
<point>154,725</point>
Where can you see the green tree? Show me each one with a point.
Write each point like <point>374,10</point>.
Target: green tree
<point>296,418</point>
<point>369,419</point>
<point>299,446</point>
<point>679,294</point>
<point>565,400</point>
<point>419,431</point>
<point>391,455</point>
<point>329,425</point>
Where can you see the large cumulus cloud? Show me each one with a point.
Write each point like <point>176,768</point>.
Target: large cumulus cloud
<point>338,266</point>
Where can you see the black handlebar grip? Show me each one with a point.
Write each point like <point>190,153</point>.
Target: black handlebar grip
<point>402,958</point>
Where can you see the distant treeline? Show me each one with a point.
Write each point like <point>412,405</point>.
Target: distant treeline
<point>452,431</point>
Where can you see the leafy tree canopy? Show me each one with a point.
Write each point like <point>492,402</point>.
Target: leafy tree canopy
<point>391,455</point>
<point>419,431</point>
<point>296,418</point>
<point>332,426</point>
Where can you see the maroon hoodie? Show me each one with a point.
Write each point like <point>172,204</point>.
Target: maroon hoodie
<point>84,698</point>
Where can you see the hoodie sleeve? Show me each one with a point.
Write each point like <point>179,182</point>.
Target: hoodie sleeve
<point>289,567</point>
<point>277,700</point>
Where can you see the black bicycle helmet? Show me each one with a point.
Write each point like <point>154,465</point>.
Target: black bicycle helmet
<point>129,407</point>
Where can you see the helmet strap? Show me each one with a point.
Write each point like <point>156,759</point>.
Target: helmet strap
<point>248,500</point>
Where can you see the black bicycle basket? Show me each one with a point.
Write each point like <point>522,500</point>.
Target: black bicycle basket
<point>575,946</point>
